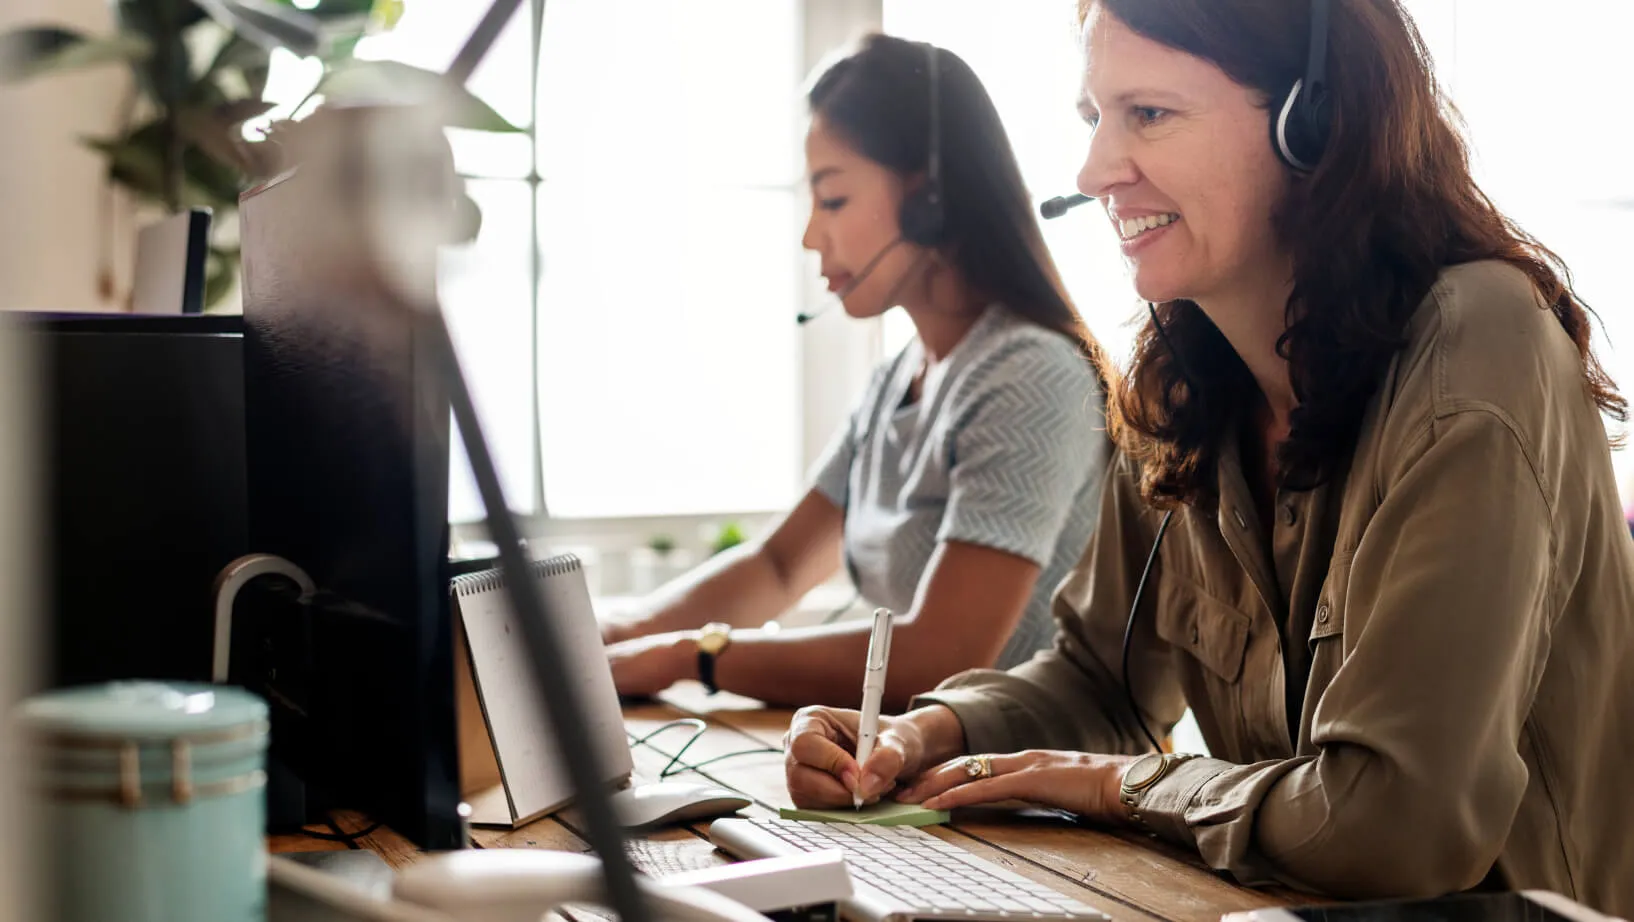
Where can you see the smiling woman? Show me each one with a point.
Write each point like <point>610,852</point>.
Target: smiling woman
<point>1396,584</point>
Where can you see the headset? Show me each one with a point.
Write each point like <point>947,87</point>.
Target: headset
<point>1299,133</point>
<point>923,217</point>
<point>923,222</point>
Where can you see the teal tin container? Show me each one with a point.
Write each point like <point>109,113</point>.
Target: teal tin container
<point>153,801</point>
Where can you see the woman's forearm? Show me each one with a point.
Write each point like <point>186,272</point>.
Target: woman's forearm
<point>740,587</point>
<point>824,665</point>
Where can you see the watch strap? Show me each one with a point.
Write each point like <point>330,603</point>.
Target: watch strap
<point>706,671</point>
<point>1132,799</point>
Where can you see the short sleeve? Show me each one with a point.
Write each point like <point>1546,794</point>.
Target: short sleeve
<point>1027,428</point>
<point>831,474</point>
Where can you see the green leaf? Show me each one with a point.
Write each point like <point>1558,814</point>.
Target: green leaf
<point>34,52</point>
<point>237,53</point>
<point>395,82</point>
<point>136,161</point>
<point>215,129</point>
<point>220,273</point>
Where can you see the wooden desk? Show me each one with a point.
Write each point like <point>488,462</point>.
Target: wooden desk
<point>1124,874</point>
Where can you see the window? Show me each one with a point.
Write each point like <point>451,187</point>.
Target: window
<point>1551,141</point>
<point>486,286</point>
<point>625,317</point>
<point>1030,62</point>
<point>670,215</point>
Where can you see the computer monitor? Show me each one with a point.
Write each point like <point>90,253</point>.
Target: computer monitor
<point>348,463</point>
<point>142,424</point>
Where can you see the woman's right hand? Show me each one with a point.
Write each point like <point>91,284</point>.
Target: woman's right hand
<point>820,747</point>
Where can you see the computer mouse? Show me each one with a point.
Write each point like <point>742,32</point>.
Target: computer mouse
<point>666,803</point>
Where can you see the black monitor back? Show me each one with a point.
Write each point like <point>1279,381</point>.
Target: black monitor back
<point>348,434</point>
<point>143,419</point>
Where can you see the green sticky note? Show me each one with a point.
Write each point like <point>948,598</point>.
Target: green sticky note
<point>884,813</point>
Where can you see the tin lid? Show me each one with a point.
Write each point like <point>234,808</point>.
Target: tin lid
<point>142,709</point>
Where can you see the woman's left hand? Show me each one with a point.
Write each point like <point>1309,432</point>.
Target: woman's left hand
<point>646,666</point>
<point>1078,782</point>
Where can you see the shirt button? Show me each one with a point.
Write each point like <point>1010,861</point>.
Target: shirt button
<point>1289,515</point>
<point>1322,612</point>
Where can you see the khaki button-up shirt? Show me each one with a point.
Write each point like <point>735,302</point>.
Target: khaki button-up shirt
<point>1453,613</point>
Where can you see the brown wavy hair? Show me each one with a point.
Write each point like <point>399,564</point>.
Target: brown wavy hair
<point>1389,207</point>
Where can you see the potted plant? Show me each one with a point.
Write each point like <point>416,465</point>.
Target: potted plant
<point>200,69</point>
<point>729,536</point>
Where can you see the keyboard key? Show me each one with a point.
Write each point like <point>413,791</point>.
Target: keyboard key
<point>927,874</point>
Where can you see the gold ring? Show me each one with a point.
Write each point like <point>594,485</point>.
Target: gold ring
<point>978,767</point>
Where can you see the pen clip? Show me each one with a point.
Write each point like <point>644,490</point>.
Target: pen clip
<point>879,640</point>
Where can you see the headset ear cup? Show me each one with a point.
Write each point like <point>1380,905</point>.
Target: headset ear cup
<point>1299,128</point>
<point>922,218</point>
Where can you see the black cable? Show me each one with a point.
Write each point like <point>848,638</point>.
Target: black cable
<point>1140,588</point>
<point>699,729</point>
<point>345,838</point>
<point>1129,630</point>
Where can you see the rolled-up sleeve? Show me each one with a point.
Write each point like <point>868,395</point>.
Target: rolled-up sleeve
<point>1417,772</point>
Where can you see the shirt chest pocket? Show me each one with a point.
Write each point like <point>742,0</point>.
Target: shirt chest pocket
<point>1212,632</point>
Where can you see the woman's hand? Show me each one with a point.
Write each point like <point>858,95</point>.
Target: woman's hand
<point>820,747</point>
<point>646,666</point>
<point>1079,782</point>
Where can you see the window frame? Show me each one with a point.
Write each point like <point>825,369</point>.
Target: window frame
<point>835,354</point>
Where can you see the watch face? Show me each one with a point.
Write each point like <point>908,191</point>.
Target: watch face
<point>1143,772</point>
<point>714,638</point>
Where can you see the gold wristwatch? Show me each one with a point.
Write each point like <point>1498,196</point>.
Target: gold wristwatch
<point>713,640</point>
<point>1144,772</point>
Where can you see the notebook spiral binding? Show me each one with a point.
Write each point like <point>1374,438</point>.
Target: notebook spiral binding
<point>473,583</point>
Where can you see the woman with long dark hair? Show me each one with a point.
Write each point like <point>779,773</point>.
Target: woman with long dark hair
<point>1364,522</point>
<point>966,483</point>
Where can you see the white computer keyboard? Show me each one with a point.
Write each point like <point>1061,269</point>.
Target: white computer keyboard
<point>900,873</point>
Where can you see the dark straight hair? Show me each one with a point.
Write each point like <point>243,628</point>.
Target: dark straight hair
<point>878,99</point>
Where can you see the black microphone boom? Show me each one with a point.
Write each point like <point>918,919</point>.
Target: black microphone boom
<point>1058,206</point>
<point>805,317</point>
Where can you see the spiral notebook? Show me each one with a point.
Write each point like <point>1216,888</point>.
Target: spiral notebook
<point>511,771</point>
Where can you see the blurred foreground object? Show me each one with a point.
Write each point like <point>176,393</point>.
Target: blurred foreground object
<point>180,139</point>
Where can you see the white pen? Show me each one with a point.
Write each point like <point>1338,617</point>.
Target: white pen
<point>873,688</point>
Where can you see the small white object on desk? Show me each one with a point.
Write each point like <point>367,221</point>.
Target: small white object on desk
<point>873,689</point>
<point>672,802</point>
<point>770,884</point>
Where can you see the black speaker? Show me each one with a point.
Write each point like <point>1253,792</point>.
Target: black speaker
<point>143,420</point>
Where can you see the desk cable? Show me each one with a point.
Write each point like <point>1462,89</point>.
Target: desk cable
<point>675,766</point>
<point>349,839</point>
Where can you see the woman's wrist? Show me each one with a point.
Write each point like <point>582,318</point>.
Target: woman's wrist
<point>941,735</point>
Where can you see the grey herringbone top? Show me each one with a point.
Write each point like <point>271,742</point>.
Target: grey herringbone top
<point>1005,448</point>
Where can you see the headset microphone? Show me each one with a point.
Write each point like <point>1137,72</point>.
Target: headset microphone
<point>923,213</point>
<point>1061,204</point>
<point>805,317</point>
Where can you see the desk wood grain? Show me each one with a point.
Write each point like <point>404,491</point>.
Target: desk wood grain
<point>1123,867</point>
<point>1128,876</point>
